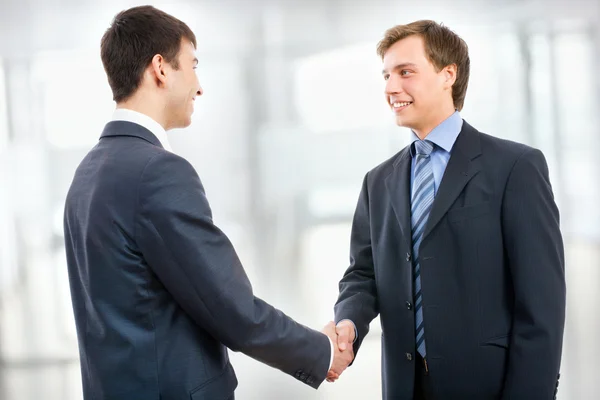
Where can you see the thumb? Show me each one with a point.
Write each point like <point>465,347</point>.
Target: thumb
<point>329,330</point>
<point>343,337</point>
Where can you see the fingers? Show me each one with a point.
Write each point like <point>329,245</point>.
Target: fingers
<point>332,376</point>
<point>341,361</point>
<point>329,329</point>
<point>342,334</point>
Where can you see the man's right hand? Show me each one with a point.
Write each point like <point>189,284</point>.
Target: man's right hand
<point>345,334</point>
<point>341,359</point>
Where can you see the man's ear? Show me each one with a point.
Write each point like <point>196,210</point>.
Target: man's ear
<point>158,70</point>
<point>449,73</point>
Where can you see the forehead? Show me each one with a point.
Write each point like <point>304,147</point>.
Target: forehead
<point>187,50</point>
<point>410,50</point>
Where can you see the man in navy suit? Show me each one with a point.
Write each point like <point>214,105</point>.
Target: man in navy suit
<point>158,291</point>
<point>455,243</point>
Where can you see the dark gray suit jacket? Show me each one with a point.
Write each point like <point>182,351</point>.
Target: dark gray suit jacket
<point>492,274</point>
<point>158,291</point>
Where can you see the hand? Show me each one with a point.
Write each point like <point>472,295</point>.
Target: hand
<point>346,334</point>
<point>341,359</point>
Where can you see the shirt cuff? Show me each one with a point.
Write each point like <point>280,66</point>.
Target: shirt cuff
<point>332,350</point>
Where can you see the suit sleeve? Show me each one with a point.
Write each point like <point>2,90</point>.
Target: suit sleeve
<point>534,247</point>
<point>357,300</point>
<point>198,265</point>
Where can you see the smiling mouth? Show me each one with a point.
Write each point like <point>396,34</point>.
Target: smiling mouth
<point>399,105</point>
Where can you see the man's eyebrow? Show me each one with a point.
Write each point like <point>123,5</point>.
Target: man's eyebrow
<point>400,66</point>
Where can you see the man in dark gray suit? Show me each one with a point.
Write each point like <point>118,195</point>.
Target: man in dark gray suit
<point>158,291</point>
<point>455,243</point>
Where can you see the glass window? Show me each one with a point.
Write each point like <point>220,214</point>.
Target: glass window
<point>76,97</point>
<point>341,89</point>
<point>3,110</point>
<point>578,140</point>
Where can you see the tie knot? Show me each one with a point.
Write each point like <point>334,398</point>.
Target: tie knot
<point>423,147</point>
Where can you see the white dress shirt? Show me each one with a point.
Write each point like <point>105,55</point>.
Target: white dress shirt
<point>332,350</point>
<point>123,114</point>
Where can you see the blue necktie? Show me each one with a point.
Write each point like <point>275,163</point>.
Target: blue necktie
<point>421,202</point>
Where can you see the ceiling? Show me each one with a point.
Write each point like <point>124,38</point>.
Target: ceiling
<point>30,26</point>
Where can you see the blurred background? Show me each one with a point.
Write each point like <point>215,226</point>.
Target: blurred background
<point>292,118</point>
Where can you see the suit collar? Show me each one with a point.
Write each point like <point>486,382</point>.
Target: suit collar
<point>126,128</point>
<point>402,156</point>
<point>468,141</point>
<point>124,114</point>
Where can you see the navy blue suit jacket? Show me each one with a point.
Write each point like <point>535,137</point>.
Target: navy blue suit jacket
<point>158,291</point>
<point>492,274</point>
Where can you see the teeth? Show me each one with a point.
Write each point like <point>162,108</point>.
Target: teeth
<point>397,105</point>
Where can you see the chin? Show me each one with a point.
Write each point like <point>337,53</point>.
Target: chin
<point>402,122</point>
<point>184,122</point>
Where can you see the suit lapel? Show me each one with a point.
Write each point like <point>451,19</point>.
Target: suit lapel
<point>398,187</point>
<point>459,171</point>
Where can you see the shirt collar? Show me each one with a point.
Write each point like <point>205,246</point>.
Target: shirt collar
<point>123,114</point>
<point>444,135</point>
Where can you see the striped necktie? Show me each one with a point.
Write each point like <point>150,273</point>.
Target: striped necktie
<point>421,202</point>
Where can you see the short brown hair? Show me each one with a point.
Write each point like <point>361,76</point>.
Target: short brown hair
<point>443,47</point>
<point>135,36</point>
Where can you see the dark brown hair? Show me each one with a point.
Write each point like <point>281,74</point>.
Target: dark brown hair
<point>443,47</point>
<point>135,36</point>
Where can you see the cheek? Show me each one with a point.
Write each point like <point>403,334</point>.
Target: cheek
<point>411,88</point>
<point>422,92</point>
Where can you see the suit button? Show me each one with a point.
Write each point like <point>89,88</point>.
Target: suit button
<point>409,356</point>
<point>310,380</point>
<point>408,305</point>
<point>408,257</point>
<point>298,373</point>
<point>303,377</point>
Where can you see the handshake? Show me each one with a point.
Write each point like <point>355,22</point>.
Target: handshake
<point>342,337</point>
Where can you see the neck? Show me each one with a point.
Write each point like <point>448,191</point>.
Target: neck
<point>143,104</point>
<point>426,128</point>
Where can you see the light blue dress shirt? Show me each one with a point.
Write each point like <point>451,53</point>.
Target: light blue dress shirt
<point>443,136</point>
